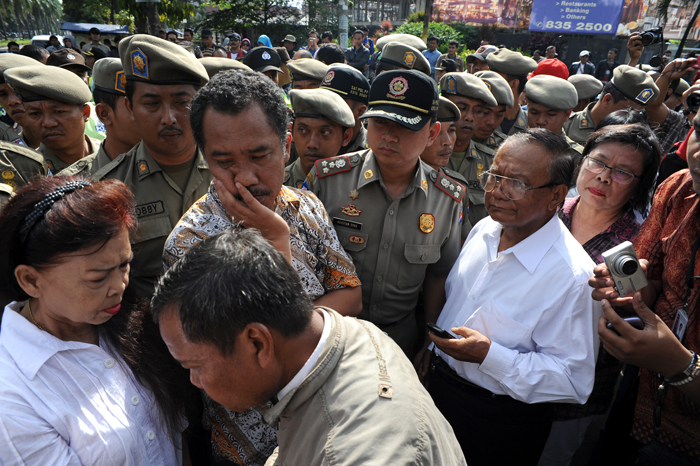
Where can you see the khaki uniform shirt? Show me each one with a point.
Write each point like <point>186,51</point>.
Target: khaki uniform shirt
<point>520,124</point>
<point>18,164</point>
<point>8,133</point>
<point>494,141</point>
<point>477,159</point>
<point>294,175</point>
<point>358,144</point>
<point>84,165</point>
<point>580,125</point>
<point>159,205</point>
<point>394,243</point>
<point>55,164</point>
<point>359,367</point>
<point>6,193</point>
<point>578,148</point>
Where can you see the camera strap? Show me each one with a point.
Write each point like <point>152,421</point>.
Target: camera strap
<point>663,388</point>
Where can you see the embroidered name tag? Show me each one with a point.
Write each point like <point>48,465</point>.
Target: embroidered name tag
<point>152,208</point>
<point>344,223</point>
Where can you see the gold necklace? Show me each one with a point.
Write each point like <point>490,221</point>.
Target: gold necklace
<point>32,316</point>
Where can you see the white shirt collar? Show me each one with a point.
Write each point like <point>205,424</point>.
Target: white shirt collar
<point>28,346</point>
<point>532,249</point>
<point>311,362</point>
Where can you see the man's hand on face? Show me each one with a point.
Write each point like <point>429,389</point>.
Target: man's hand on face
<point>472,348</point>
<point>252,214</point>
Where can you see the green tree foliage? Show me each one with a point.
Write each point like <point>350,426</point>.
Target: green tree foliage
<point>29,17</point>
<point>238,14</point>
<point>440,30</point>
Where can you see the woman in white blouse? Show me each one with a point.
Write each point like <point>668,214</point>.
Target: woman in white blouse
<point>84,377</point>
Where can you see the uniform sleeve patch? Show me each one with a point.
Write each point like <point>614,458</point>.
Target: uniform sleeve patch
<point>449,186</point>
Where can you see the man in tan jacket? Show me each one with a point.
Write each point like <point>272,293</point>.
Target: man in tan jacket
<point>233,313</point>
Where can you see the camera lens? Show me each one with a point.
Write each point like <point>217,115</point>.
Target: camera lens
<point>626,265</point>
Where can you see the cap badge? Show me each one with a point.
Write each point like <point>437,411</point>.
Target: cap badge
<point>369,174</point>
<point>481,49</point>
<point>329,77</point>
<point>266,56</point>
<point>120,82</point>
<point>488,85</point>
<point>139,64</point>
<point>70,56</point>
<point>354,194</point>
<point>427,223</point>
<point>644,96</point>
<point>12,88</point>
<point>451,84</point>
<point>351,210</point>
<point>398,87</point>
<point>409,59</point>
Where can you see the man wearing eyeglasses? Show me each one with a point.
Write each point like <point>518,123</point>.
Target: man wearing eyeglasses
<point>520,307</point>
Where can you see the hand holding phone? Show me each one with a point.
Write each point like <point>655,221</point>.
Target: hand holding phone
<point>635,322</point>
<point>440,332</point>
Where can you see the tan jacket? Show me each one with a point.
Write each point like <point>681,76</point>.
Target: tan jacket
<point>362,404</point>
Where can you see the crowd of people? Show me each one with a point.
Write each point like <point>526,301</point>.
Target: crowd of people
<point>220,254</point>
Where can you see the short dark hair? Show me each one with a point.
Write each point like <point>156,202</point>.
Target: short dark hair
<point>53,37</point>
<point>234,91</point>
<point>610,88</point>
<point>94,31</point>
<point>453,42</point>
<point>34,51</point>
<point>327,35</point>
<point>614,50</point>
<point>643,140</point>
<point>384,66</point>
<point>313,31</point>
<point>161,31</point>
<point>358,31</point>
<point>171,32</point>
<point>561,163</point>
<point>537,51</point>
<point>10,44</point>
<point>229,281</point>
<point>108,98</point>
<point>330,53</point>
<point>624,116</point>
<point>189,30</point>
<point>433,38</point>
<point>522,80</point>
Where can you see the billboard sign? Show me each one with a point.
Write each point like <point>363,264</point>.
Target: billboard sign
<point>576,16</point>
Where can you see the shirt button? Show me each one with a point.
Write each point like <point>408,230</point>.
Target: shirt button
<point>385,245</point>
<point>150,435</point>
<point>379,278</point>
<point>422,257</point>
<point>391,212</point>
<point>109,363</point>
<point>135,400</point>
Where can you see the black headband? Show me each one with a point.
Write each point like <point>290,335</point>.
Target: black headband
<point>43,206</point>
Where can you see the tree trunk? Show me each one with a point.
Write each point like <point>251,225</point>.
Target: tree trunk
<point>679,52</point>
<point>426,19</point>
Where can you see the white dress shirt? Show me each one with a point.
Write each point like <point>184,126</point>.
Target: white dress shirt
<point>534,303</point>
<point>73,403</point>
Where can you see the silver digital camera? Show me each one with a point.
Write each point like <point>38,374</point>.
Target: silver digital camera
<point>624,268</point>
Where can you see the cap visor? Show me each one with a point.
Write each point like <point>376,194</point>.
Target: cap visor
<point>403,116</point>
<point>76,65</point>
<point>265,69</point>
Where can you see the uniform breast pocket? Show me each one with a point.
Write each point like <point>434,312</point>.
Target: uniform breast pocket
<point>491,321</point>
<point>476,196</point>
<point>417,257</point>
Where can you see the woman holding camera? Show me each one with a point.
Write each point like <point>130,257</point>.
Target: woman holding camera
<point>615,177</point>
<point>84,375</point>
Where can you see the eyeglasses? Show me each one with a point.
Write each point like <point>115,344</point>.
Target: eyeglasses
<point>617,175</point>
<point>512,188</point>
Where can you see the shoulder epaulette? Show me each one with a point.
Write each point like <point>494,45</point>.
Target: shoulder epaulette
<point>22,150</point>
<point>335,165</point>
<point>78,167</point>
<point>450,186</point>
<point>454,174</point>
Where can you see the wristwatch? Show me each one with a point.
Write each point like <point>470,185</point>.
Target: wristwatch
<point>689,374</point>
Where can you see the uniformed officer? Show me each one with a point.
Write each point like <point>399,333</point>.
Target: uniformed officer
<point>397,217</point>
<point>487,132</point>
<point>513,67</point>
<point>20,133</point>
<point>165,171</point>
<point>587,88</point>
<point>55,101</point>
<point>307,73</point>
<point>437,154</point>
<point>398,56</point>
<point>408,39</point>
<point>322,125</point>
<point>549,104</point>
<point>353,87</point>
<point>18,165</point>
<point>215,65</point>
<point>471,96</point>
<point>264,60</point>
<point>629,87</point>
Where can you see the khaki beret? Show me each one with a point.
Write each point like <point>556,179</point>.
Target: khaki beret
<point>679,90</point>
<point>466,85</point>
<point>321,103</point>
<point>552,92</point>
<point>407,39</point>
<point>447,111</point>
<point>634,84</point>
<point>405,56</point>
<point>40,82</point>
<point>13,60</point>
<point>498,86</point>
<point>307,68</point>
<point>215,65</point>
<point>153,60</point>
<point>587,86</point>
<point>508,62</point>
<point>108,76</point>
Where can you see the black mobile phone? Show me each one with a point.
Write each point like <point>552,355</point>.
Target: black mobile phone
<point>635,322</point>
<point>442,333</point>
